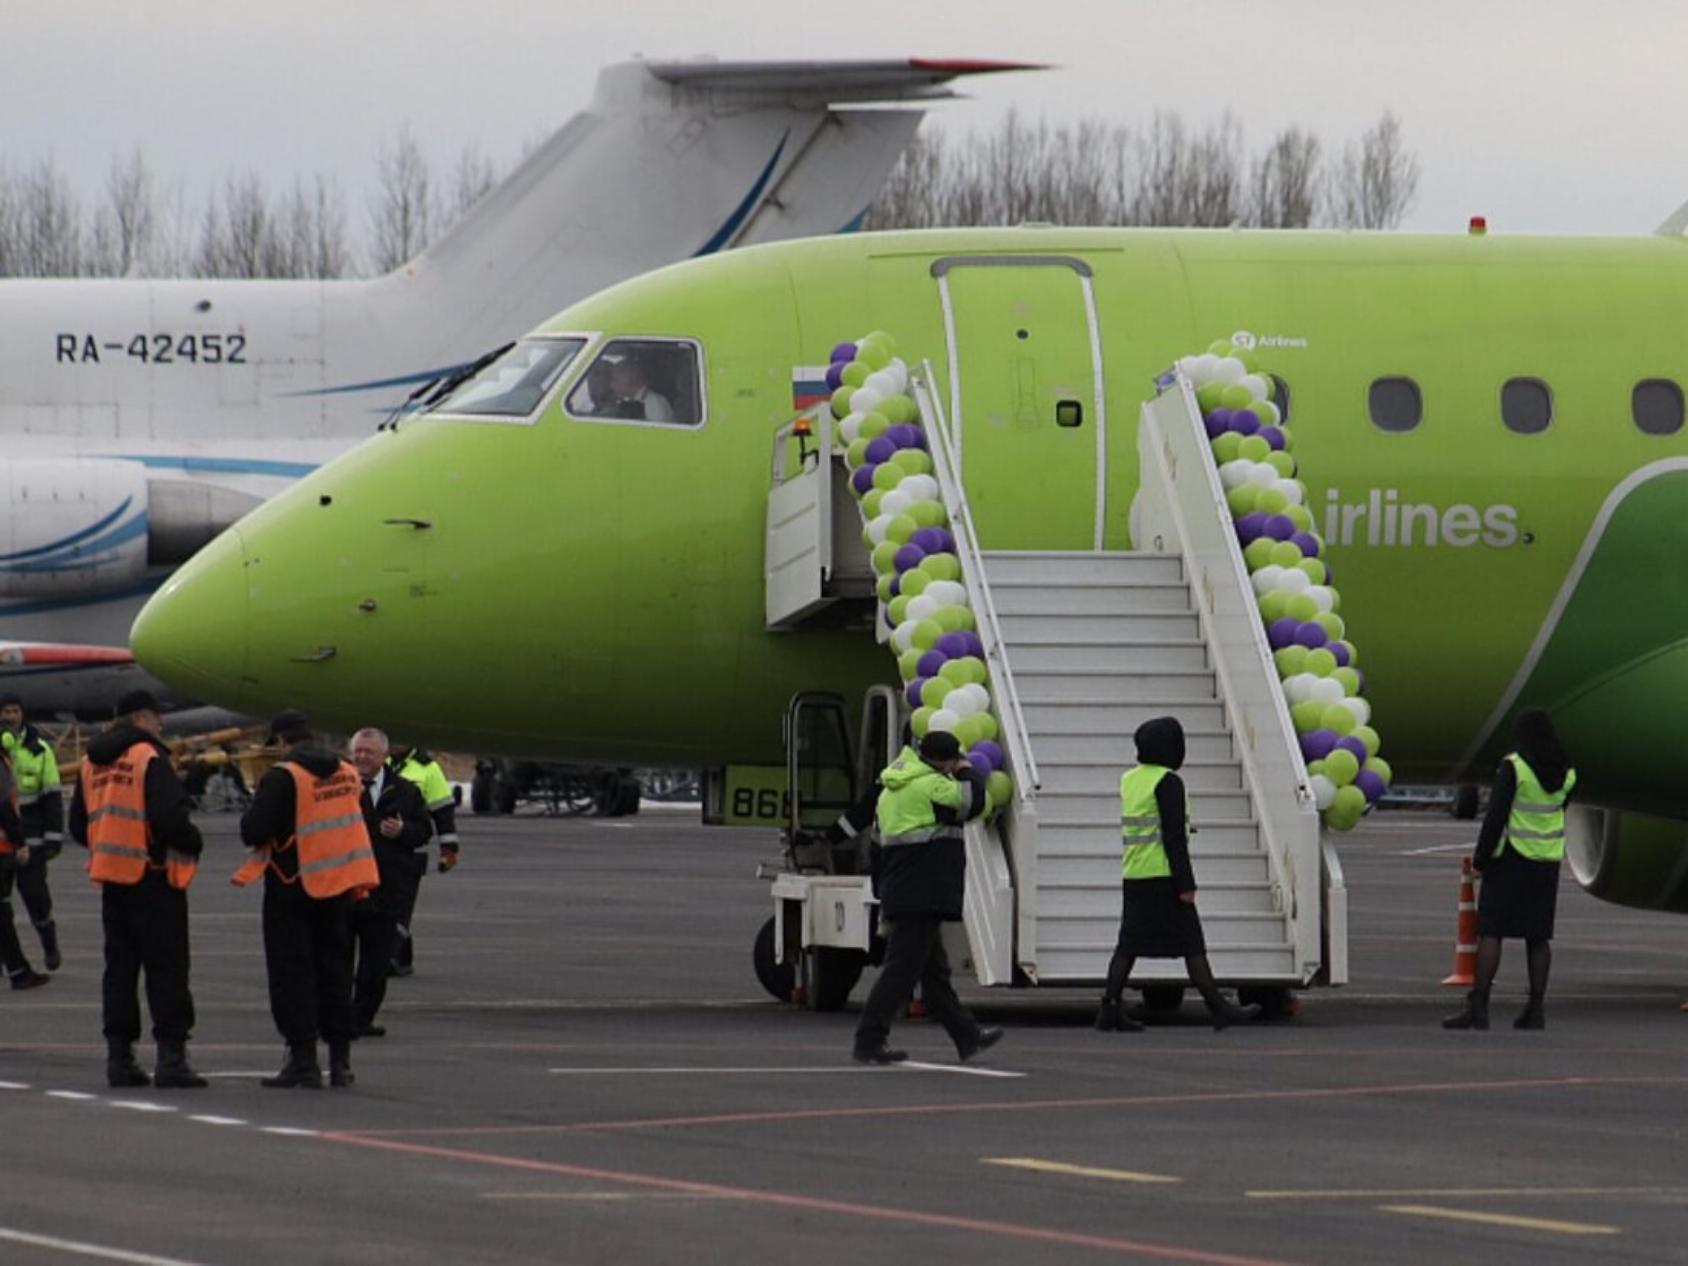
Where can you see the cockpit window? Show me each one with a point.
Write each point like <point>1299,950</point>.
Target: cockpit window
<point>642,380</point>
<point>513,385</point>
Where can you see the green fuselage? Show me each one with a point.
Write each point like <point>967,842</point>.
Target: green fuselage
<point>594,590</point>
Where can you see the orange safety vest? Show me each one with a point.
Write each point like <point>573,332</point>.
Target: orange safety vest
<point>328,830</point>
<point>6,845</point>
<point>119,839</point>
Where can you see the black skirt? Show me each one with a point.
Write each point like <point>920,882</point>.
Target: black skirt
<point>1518,898</point>
<point>1154,923</point>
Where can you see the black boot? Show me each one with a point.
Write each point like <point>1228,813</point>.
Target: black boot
<point>122,1072</point>
<point>49,933</point>
<point>301,1069</point>
<point>1223,1012</point>
<point>173,1072</point>
<point>1475,1014</point>
<point>28,978</point>
<point>1111,1017</point>
<point>340,1074</point>
<point>1534,1016</point>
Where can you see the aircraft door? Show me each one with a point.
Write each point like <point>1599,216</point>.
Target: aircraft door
<point>1026,397</point>
<point>819,761</point>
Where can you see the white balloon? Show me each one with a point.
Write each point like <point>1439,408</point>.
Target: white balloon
<point>1324,790</point>
<point>949,593</point>
<point>960,702</point>
<point>849,430</point>
<point>898,368</point>
<point>1203,371</point>
<point>876,528</point>
<point>1229,370</point>
<point>920,487</point>
<point>1187,366</point>
<point>1234,473</point>
<point>902,637</point>
<point>923,607</point>
<point>979,694</point>
<point>882,383</point>
<point>1327,690</point>
<point>1267,578</point>
<point>865,400</point>
<point>1256,384</point>
<point>895,501</point>
<point>1291,488</point>
<point>1294,580</point>
<point>1321,594</point>
<point>943,719</point>
<point>1264,475</point>
<point>1299,688</point>
<point>1360,709</point>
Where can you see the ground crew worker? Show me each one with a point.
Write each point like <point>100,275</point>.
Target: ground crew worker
<point>306,832</point>
<point>1518,854</point>
<point>14,852</point>
<point>921,884</point>
<point>35,769</point>
<point>1158,916</point>
<point>132,812</point>
<point>399,827</point>
<point>421,768</point>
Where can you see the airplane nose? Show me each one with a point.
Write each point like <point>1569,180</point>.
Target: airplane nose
<point>192,633</point>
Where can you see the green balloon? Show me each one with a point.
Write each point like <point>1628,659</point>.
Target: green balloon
<point>870,503</point>
<point>1271,501</point>
<point>1371,739</point>
<point>1243,499</point>
<point>883,337</point>
<point>1286,554</point>
<point>1258,552</point>
<point>914,460</point>
<point>1226,447</point>
<point>898,408</point>
<point>999,787</point>
<point>1307,715</point>
<point>1315,568</point>
<point>1236,396</point>
<point>1379,766</point>
<point>941,566</point>
<point>908,664</point>
<point>854,374</point>
<point>873,425</point>
<point>1281,462</point>
<point>933,692</point>
<point>1269,415</point>
<point>885,557</point>
<point>1299,516</point>
<point>1332,625</point>
<point>955,672</point>
<point>886,476</point>
<point>1221,347</point>
<point>915,582</point>
<point>1207,395</point>
<point>1350,802</point>
<point>928,513</point>
<point>1316,767</point>
<point>965,622</point>
<point>1320,662</point>
<point>1302,608</point>
<point>1347,676</point>
<point>955,619</point>
<point>1254,449</point>
<point>898,608</point>
<point>920,720</point>
<point>856,454</point>
<point>1341,767</point>
<point>900,528</point>
<point>1291,661</point>
<point>841,401</point>
<point>873,354</point>
<point>1336,717</point>
<point>968,731</point>
<point>882,586</point>
<point>1274,605</point>
<point>927,633</point>
<point>988,728</point>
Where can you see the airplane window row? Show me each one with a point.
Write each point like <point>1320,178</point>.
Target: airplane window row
<point>1526,405</point>
<point>630,380</point>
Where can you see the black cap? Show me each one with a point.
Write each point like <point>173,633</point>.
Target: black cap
<point>11,696</point>
<point>138,701</point>
<point>290,725</point>
<point>939,745</point>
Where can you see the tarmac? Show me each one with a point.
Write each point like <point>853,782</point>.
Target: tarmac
<point>585,1070</point>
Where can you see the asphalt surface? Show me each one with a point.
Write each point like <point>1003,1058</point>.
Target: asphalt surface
<point>584,1070</point>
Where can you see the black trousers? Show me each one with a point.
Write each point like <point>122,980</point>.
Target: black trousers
<point>308,950</point>
<point>407,884</point>
<point>11,949</point>
<point>914,954</point>
<point>374,929</point>
<point>146,929</point>
<point>32,879</point>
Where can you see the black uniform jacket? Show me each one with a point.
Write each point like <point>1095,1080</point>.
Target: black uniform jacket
<point>400,798</point>
<point>1160,741</point>
<point>931,878</point>
<point>168,805</point>
<point>270,819</point>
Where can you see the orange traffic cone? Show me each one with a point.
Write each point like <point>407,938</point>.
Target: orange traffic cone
<point>1465,940</point>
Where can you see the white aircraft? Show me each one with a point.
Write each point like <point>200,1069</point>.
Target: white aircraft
<point>141,418</point>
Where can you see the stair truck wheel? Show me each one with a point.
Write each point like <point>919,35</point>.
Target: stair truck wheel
<point>779,979</point>
<point>1163,1000</point>
<point>480,790</point>
<point>1465,802</point>
<point>1276,1002</point>
<point>829,974</point>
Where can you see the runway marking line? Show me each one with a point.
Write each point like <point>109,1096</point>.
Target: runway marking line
<point>1456,1193</point>
<point>921,1066</point>
<point>1077,1171</point>
<point>208,1119</point>
<point>142,1105</point>
<point>1501,1219</point>
<point>82,1249</point>
<point>782,1116</point>
<point>601,1195</point>
<point>14,1085</point>
<point>77,1095</point>
<point>289,1131</point>
<point>804,1069</point>
<point>815,1204</point>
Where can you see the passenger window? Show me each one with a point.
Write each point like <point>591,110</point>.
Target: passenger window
<point>1656,406</point>
<point>642,380</point>
<point>1526,405</point>
<point>1395,404</point>
<point>1281,399</point>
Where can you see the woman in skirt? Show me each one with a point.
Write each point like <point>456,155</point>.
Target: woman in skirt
<point>1158,918</point>
<point>1518,854</point>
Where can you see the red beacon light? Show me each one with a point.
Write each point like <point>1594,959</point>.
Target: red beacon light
<point>1479,225</point>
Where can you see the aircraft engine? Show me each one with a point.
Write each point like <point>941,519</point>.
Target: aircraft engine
<point>1627,858</point>
<point>71,527</point>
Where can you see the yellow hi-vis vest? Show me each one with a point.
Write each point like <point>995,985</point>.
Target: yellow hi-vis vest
<point>1140,823</point>
<point>1536,826</point>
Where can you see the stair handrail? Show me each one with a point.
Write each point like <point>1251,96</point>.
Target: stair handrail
<point>1013,719</point>
<point>1288,825</point>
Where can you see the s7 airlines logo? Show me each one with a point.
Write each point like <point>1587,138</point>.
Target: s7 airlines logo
<point>1382,520</point>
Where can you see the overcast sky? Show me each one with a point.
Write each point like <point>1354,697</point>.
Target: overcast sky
<point>1553,116</point>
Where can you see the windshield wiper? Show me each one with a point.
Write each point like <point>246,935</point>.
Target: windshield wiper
<point>441,385</point>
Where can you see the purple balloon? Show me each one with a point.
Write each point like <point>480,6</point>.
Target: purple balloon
<point>1217,423</point>
<point>988,751</point>
<point>844,352</point>
<point>946,542</point>
<point>1311,635</point>
<point>1340,650</point>
<point>1280,527</point>
<point>904,435</point>
<point>953,645</point>
<point>930,539</point>
<point>912,691</point>
<point>1282,632</point>
<point>1251,526</point>
<point>907,556</point>
<point>1371,783</point>
<point>1307,543</point>
<point>1245,421</point>
<point>880,450</point>
<point>861,479</point>
<point>1273,436</point>
<point>975,644</point>
<point>930,663</point>
<point>835,375</point>
<point>896,586</point>
<point>1317,744</point>
<point>889,622</point>
<point>1354,748</point>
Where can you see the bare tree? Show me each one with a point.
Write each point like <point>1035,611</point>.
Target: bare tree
<point>473,178</point>
<point>1375,181</point>
<point>1284,182</point>
<point>11,225</point>
<point>1189,180</point>
<point>42,221</point>
<point>401,212</point>
<point>124,227</point>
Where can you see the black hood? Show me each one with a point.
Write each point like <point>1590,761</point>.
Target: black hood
<point>108,747</point>
<point>1538,743</point>
<point>317,759</point>
<point>1160,742</point>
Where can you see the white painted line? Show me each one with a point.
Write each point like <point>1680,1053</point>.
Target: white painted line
<point>141,1105</point>
<point>921,1067</point>
<point>90,1250</point>
<point>257,1072</point>
<point>78,1095</point>
<point>701,1072</point>
<point>1437,848</point>
<point>14,1085</point>
<point>207,1119</point>
<point>289,1130</point>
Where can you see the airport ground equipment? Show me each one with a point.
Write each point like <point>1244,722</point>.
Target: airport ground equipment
<point>1082,646</point>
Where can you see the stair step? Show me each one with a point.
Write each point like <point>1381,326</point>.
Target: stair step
<point>1098,777</point>
<point>1029,655</point>
<point>1081,898</point>
<point>1046,597</point>
<point>1120,750</point>
<point>1047,567</point>
<point>1230,967</point>
<point>1086,804</point>
<point>1211,869</point>
<point>1058,837</point>
<point>1137,626</point>
<point>1086,717</point>
<point>1102,689</point>
<point>1057,931</point>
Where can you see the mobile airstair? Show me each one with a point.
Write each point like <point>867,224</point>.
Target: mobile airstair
<point>1082,648</point>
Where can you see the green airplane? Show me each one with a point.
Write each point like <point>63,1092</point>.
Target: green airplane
<point>552,564</point>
